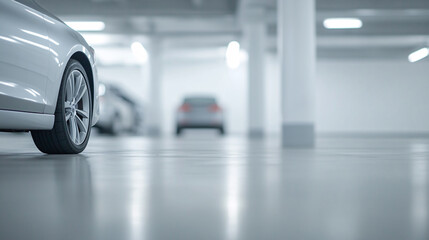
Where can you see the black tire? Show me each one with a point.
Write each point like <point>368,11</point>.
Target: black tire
<point>57,140</point>
<point>222,131</point>
<point>100,129</point>
<point>178,131</point>
<point>115,129</point>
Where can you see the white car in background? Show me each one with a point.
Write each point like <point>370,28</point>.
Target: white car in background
<point>48,79</point>
<point>119,112</point>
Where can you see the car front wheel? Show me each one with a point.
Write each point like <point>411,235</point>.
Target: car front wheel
<point>73,115</point>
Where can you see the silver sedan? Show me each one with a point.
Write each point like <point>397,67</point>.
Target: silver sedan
<point>200,112</point>
<point>48,78</point>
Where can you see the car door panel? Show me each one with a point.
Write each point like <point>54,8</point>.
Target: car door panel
<point>24,50</point>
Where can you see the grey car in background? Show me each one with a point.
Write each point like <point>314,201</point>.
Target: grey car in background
<point>200,112</point>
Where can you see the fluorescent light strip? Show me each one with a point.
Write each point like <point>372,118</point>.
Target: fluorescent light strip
<point>342,23</point>
<point>418,55</point>
<point>91,26</point>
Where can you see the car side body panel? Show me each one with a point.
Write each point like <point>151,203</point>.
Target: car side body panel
<point>22,121</point>
<point>24,52</point>
<point>58,44</point>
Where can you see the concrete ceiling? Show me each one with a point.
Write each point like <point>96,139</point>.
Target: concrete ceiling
<point>371,4</point>
<point>392,28</point>
<point>129,8</point>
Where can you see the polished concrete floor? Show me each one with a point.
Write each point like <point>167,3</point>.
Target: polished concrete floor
<point>206,187</point>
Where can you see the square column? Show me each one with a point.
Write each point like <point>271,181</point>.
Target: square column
<point>154,117</point>
<point>256,40</point>
<point>297,55</point>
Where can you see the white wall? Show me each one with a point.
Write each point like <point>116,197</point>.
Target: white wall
<point>373,96</point>
<point>364,96</point>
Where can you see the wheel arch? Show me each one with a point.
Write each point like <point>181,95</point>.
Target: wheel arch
<point>84,61</point>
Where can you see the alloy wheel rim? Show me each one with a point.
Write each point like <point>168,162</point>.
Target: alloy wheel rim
<point>77,107</point>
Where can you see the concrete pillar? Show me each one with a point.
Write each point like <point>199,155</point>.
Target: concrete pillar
<point>154,115</point>
<point>297,55</point>
<point>256,42</point>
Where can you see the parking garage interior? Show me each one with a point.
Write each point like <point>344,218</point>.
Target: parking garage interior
<point>321,112</point>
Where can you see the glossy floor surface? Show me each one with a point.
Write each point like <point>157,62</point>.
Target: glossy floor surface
<point>206,187</point>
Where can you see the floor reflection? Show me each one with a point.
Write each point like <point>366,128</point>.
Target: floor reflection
<point>234,192</point>
<point>45,197</point>
<point>216,188</point>
<point>419,190</point>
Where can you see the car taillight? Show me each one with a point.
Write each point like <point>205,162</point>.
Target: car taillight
<point>185,108</point>
<point>215,108</point>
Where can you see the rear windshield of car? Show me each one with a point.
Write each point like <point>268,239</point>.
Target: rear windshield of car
<point>200,101</point>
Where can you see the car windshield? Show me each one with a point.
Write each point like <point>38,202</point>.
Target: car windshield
<point>200,101</point>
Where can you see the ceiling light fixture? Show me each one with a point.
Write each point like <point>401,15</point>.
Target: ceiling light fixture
<point>88,26</point>
<point>418,55</point>
<point>342,23</point>
<point>233,55</point>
